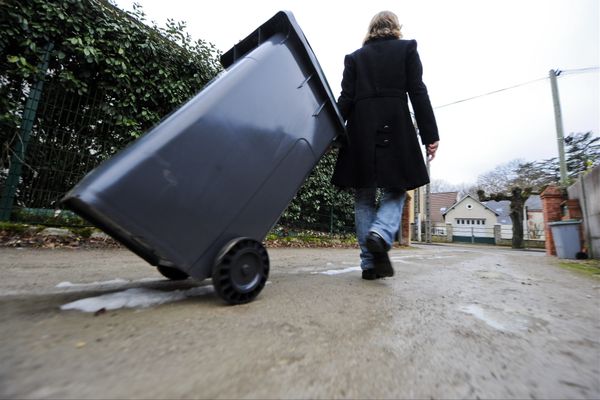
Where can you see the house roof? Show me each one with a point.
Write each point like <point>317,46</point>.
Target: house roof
<point>502,209</point>
<point>440,202</point>
<point>534,203</point>
<point>463,199</point>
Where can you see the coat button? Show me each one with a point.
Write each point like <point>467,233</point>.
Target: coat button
<point>386,141</point>
<point>386,127</point>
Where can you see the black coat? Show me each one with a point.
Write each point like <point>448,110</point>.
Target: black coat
<point>383,149</point>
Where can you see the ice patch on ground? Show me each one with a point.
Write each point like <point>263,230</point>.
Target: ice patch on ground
<point>480,314</point>
<point>112,282</point>
<point>336,271</point>
<point>513,321</point>
<point>68,284</point>
<point>135,298</point>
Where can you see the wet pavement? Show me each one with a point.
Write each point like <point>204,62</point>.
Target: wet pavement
<point>455,322</point>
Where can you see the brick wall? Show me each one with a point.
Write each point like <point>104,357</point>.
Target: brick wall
<point>405,225</point>
<point>552,198</point>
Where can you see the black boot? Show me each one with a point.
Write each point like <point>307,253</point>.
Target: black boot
<point>379,248</point>
<point>370,274</point>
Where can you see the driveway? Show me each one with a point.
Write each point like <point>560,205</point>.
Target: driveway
<point>455,322</point>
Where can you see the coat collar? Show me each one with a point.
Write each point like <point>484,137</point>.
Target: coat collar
<point>380,39</point>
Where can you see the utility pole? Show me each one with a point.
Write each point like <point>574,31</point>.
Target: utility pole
<point>560,137</point>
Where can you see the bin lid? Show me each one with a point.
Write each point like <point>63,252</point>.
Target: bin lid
<point>282,22</point>
<point>566,222</point>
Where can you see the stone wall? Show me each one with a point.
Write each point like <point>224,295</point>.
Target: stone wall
<point>587,191</point>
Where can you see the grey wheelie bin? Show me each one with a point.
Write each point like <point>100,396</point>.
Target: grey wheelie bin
<point>198,193</point>
<point>566,238</point>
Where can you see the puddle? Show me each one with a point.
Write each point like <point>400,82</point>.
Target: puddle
<point>503,321</point>
<point>484,274</point>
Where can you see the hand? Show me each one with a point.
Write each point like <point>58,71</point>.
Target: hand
<point>431,149</point>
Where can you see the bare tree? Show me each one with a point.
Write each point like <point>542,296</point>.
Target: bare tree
<point>517,199</point>
<point>464,189</point>
<point>440,186</point>
<point>500,178</point>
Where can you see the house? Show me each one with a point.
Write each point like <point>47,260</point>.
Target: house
<point>534,215</point>
<point>533,224</point>
<point>471,221</point>
<point>440,202</point>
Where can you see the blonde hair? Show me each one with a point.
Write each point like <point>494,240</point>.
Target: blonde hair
<point>384,25</point>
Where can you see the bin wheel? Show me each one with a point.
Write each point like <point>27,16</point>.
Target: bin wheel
<point>241,271</point>
<point>173,274</point>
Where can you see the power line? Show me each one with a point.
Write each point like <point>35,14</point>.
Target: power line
<point>492,92</point>
<point>565,72</point>
<point>579,70</point>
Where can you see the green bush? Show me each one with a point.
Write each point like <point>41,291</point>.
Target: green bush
<point>318,204</point>
<point>144,72</point>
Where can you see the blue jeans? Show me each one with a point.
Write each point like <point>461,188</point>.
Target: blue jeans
<point>384,220</point>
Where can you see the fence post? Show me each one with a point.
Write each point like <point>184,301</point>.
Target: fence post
<point>497,234</point>
<point>331,220</point>
<point>587,215</point>
<point>18,157</point>
<point>449,233</point>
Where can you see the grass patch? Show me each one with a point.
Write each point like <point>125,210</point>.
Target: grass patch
<point>587,267</point>
<point>282,237</point>
<point>11,228</point>
<point>24,235</point>
<point>83,232</point>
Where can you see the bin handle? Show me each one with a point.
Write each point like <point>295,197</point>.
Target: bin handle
<point>305,81</point>
<point>318,111</point>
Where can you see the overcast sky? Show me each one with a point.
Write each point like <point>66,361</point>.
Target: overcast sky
<point>468,48</point>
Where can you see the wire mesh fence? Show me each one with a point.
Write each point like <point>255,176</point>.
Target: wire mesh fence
<point>67,142</point>
<point>70,135</point>
<point>497,235</point>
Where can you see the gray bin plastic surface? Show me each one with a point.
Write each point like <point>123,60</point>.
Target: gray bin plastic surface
<point>226,164</point>
<point>566,238</point>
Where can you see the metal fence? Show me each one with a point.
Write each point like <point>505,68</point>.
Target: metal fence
<point>499,235</point>
<point>62,137</point>
<point>473,234</point>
